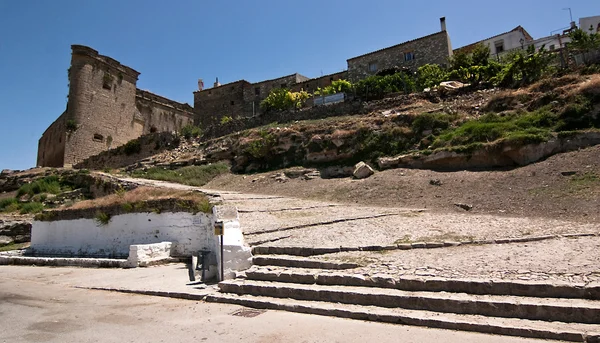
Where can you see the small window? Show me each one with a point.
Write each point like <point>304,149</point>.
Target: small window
<point>283,85</point>
<point>331,79</point>
<point>499,46</point>
<point>256,90</point>
<point>98,137</point>
<point>409,56</point>
<point>232,102</point>
<point>209,92</point>
<point>107,81</point>
<point>552,47</point>
<point>373,66</point>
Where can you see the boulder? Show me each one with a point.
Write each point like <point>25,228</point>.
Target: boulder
<point>362,170</point>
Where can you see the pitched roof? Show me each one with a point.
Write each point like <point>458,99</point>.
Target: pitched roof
<point>397,45</point>
<point>470,47</point>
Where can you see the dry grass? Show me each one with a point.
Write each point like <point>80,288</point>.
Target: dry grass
<point>140,194</point>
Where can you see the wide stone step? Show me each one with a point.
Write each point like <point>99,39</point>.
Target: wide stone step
<point>548,309</point>
<point>297,262</point>
<point>408,283</point>
<point>573,332</point>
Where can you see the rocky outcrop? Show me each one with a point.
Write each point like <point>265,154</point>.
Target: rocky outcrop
<point>12,232</point>
<point>495,155</point>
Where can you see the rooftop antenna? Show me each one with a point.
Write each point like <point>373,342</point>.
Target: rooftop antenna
<point>570,13</point>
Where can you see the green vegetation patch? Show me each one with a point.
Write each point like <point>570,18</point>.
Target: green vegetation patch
<point>192,175</point>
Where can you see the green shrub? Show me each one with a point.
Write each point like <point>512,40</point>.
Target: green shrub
<point>430,121</point>
<point>132,147</point>
<point>71,125</point>
<point>192,175</point>
<point>337,86</point>
<point>283,99</point>
<point>102,218</point>
<point>260,148</point>
<point>6,202</point>
<point>190,131</point>
<point>49,184</point>
<point>225,120</point>
<point>31,207</point>
<point>430,75</point>
<point>375,87</point>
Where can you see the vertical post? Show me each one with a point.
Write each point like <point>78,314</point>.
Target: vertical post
<point>222,273</point>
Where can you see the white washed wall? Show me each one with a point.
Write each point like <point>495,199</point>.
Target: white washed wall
<point>188,233</point>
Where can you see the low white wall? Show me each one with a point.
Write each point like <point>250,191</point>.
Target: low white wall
<point>237,256</point>
<point>188,233</point>
<point>142,255</point>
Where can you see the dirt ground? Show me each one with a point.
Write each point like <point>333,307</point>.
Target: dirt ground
<point>565,186</point>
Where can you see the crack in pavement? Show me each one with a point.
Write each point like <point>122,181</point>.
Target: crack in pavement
<point>322,223</point>
<point>255,243</point>
<point>287,209</point>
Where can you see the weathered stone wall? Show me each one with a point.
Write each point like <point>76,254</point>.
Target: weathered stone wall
<point>210,105</point>
<point>319,112</point>
<point>107,109</point>
<point>237,99</point>
<point>160,114</point>
<point>150,144</point>
<point>311,85</point>
<point>101,102</point>
<point>51,146</point>
<point>432,49</point>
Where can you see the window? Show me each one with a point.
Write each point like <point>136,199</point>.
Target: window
<point>107,81</point>
<point>283,85</point>
<point>331,79</point>
<point>232,102</point>
<point>256,90</point>
<point>409,56</point>
<point>552,47</point>
<point>373,67</point>
<point>98,137</point>
<point>499,46</point>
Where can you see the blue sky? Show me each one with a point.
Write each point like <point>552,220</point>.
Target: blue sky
<point>173,43</point>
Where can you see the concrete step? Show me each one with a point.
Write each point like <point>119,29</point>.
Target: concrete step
<point>407,283</point>
<point>298,262</point>
<point>547,309</point>
<point>573,332</point>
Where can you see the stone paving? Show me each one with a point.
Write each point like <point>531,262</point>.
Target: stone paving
<point>290,222</point>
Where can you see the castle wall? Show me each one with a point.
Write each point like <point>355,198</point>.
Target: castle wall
<point>107,111</point>
<point>432,49</point>
<point>51,146</point>
<point>159,114</point>
<point>102,103</point>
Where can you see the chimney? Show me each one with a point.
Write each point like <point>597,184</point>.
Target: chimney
<point>200,84</point>
<point>217,84</point>
<point>443,23</point>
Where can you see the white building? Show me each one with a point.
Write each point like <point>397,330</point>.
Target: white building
<point>517,38</point>
<point>590,24</point>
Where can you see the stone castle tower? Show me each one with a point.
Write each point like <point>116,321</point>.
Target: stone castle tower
<point>105,110</point>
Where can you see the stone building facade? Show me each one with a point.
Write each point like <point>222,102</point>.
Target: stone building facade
<point>237,99</point>
<point>104,110</point>
<point>432,49</point>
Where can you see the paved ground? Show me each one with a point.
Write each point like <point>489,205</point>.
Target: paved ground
<point>41,304</point>
<point>285,221</point>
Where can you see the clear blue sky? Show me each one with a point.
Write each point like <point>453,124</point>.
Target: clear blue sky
<point>173,43</point>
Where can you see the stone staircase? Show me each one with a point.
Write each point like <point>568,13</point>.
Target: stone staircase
<point>527,309</point>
